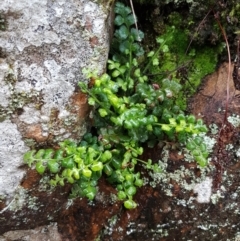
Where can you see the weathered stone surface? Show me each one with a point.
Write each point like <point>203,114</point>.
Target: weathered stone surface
<point>175,205</point>
<point>44,45</point>
<point>43,233</point>
<point>36,204</point>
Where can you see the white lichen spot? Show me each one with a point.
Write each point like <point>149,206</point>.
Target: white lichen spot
<point>4,89</point>
<point>33,73</point>
<point>11,150</point>
<point>30,115</point>
<point>109,228</point>
<point>90,8</point>
<point>213,128</point>
<point>98,25</point>
<point>216,196</point>
<point>237,237</point>
<point>234,120</point>
<point>238,152</point>
<point>229,147</point>
<point>21,199</point>
<point>63,114</point>
<point>209,142</point>
<point>58,11</point>
<point>204,190</point>
<point>53,68</point>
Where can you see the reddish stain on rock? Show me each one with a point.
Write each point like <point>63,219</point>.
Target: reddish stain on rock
<point>35,132</point>
<point>94,41</point>
<point>80,105</point>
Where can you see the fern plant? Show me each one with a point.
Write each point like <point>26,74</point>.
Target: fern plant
<point>130,110</point>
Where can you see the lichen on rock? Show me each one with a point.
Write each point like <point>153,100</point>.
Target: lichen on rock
<point>43,49</point>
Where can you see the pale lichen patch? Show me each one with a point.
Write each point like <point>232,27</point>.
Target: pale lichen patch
<point>47,51</point>
<point>204,190</point>
<point>11,150</point>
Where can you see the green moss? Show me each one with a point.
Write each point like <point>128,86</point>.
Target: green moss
<point>186,65</point>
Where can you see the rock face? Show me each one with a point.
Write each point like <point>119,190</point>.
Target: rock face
<point>44,46</point>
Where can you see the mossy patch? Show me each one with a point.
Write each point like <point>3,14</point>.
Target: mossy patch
<point>187,64</point>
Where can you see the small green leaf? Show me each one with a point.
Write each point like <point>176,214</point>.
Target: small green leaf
<point>53,182</point>
<point>179,128</point>
<point>124,46</point>
<point>201,161</point>
<point>106,156</point>
<point>165,49</point>
<point>159,40</point>
<point>58,154</point>
<point>53,166</point>
<point>150,54</point>
<point>70,180</point>
<point>119,20</point>
<point>86,172</point>
<point>181,117</point>
<point>138,182</point>
<point>138,35</point>
<point>67,162</point>
<point>107,169</point>
<point>200,122</point>
<point>203,128</point>
<point>102,112</point>
<point>198,140</point>
<point>123,32</point>
<point>117,164</point>
<point>91,101</point>
<point>191,145</point>
<point>203,147</point>
<point>40,168</point>
<point>39,154</point>
<point>121,195</point>
<point>131,191</point>
<point>155,62</point>
<point>137,73</point>
<point>121,9</point>
<point>129,177</point>
<point>156,168</point>
<point>75,173</point>
<point>97,166</point>
<point>191,119</point>
<point>166,127</point>
<point>130,20</point>
<point>116,73</point>
<point>28,157</point>
<point>130,204</point>
<point>196,153</point>
<point>90,192</point>
<point>48,154</point>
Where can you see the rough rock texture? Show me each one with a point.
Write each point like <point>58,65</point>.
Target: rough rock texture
<point>176,205</point>
<point>44,45</point>
<point>43,233</point>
